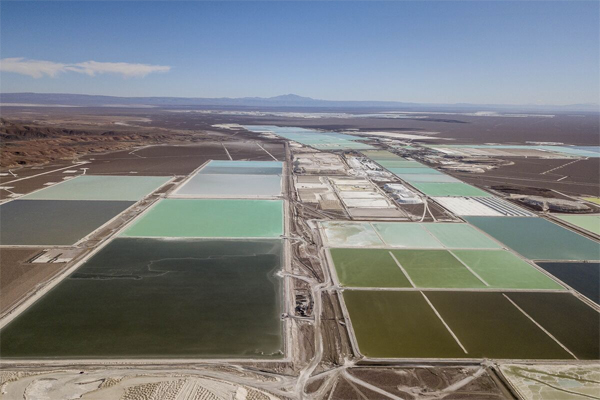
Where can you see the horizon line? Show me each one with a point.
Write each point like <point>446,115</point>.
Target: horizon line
<point>310,99</point>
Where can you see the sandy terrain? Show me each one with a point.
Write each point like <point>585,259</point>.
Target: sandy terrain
<point>39,139</point>
<point>573,178</point>
<point>126,384</point>
<point>215,383</point>
<point>17,277</point>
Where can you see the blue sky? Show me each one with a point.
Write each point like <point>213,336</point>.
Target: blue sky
<point>434,52</point>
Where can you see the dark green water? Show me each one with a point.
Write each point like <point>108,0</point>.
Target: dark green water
<point>398,325</point>
<point>489,326</point>
<point>574,323</point>
<point>54,222</point>
<point>583,277</point>
<point>159,298</point>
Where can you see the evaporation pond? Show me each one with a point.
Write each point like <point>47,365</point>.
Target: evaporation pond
<point>572,322</point>
<point>243,167</point>
<point>54,222</point>
<point>367,268</point>
<point>588,222</point>
<point>433,235</point>
<point>398,324</point>
<point>538,238</point>
<point>489,326</point>
<point>460,236</point>
<point>436,269</point>
<point>440,178</point>
<point>159,298</point>
<point>413,171</point>
<point>583,277</point>
<point>345,234</point>
<point>101,187</point>
<point>505,270</point>
<point>210,218</point>
<point>407,234</point>
<point>231,185</point>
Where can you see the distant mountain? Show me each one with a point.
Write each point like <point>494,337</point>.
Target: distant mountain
<point>287,100</point>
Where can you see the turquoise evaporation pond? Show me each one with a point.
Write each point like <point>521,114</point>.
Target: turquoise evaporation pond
<point>229,185</point>
<point>343,146</point>
<point>101,187</point>
<point>157,298</point>
<point>594,149</point>
<point>416,178</point>
<point>309,137</point>
<point>413,171</point>
<point>243,167</point>
<point>210,218</point>
<point>538,239</point>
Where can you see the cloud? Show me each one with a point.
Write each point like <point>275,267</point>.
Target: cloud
<point>92,68</point>
<point>33,68</point>
<point>40,68</point>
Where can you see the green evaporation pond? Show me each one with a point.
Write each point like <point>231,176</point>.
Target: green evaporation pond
<point>572,322</point>
<point>502,269</point>
<point>412,171</point>
<point>590,223</point>
<point>436,269</point>
<point>157,298</point>
<point>101,187</point>
<point>595,200</point>
<point>490,326</point>
<point>414,178</point>
<point>451,189</point>
<point>210,218</point>
<point>398,324</point>
<point>538,238</point>
<point>367,268</point>
<point>461,236</point>
<point>401,324</point>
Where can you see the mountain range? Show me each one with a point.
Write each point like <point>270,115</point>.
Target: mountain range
<point>286,101</point>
